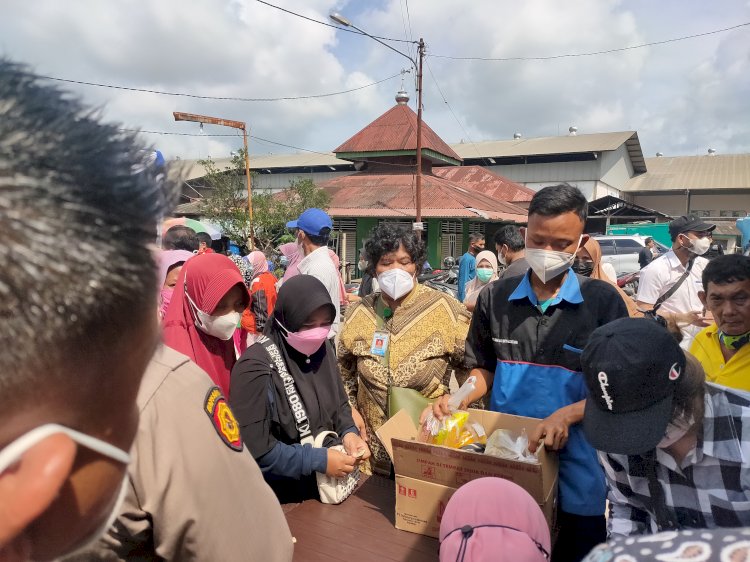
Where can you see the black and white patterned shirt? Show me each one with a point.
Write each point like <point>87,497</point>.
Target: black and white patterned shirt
<point>711,486</point>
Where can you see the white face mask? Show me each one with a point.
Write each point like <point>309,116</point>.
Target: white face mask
<point>12,453</point>
<point>548,264</point>
<point>699,245</point>
<point>501,259</point>
<point>396,283</point>
<point>362,266</point>
<point>221,327</point>
<point>675,431</point>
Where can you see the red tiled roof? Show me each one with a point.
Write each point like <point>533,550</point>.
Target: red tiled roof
<point>484,181</point>
<point>390,195</point>
<point>396,129</point>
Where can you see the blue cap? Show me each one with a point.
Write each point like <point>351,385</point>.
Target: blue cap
<point>312,221</point>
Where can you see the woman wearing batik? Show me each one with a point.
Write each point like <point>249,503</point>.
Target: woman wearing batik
<point>407,335</point>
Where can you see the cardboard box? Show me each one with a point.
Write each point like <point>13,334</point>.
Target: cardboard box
<point>428,475</point>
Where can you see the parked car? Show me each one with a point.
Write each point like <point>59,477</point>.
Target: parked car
<point>622,251</point>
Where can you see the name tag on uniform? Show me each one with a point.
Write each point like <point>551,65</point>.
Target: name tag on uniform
<point>379,343</point>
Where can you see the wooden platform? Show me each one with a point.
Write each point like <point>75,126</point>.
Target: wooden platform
<point>360,529</point>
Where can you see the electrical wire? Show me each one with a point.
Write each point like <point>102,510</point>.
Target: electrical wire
<point>330,24</point>
<point>593,53</point>
<point>261,139</point>
<point>220,98</point>
<point>442,95</point>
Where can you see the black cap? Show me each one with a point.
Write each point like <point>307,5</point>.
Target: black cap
<point>631,367</point>
<point>688,223</point>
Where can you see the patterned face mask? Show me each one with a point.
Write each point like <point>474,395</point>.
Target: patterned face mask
<point>734,342</point>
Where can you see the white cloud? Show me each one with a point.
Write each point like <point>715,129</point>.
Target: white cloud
<point>678,96</point>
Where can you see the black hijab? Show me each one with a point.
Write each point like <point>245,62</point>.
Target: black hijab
<point>317,378</point>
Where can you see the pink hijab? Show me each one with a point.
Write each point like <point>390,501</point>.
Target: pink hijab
<point>292,253</point>
<point>258,262</point>
<point>167,259</point>
<point>502,521</point>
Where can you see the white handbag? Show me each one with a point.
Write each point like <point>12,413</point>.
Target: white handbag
<point>332,489</point>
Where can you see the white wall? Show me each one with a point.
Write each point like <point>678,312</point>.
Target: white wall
<point>554,172</point>
<point>616,168</point>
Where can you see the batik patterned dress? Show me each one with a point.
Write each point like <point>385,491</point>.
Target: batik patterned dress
<point>427,336</point>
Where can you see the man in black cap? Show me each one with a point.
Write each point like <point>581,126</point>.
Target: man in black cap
<point>675,449</point>
<point>671,284</point>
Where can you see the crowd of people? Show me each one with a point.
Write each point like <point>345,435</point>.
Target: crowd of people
<point>160,400</point>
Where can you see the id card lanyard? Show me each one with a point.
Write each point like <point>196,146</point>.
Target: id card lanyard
<point>381,344</point>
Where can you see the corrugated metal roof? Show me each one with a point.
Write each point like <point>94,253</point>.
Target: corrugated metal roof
<point>487,182</point>
<point>725,171</point>
<point>395,130</point>
<point>594,142</point>
<point>367,194</point>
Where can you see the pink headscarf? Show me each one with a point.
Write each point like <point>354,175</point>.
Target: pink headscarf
<point>167,259</point>
<point>342,290</point>
<point>520,532</point>
<point>292,252</point>
<point>258,262</point>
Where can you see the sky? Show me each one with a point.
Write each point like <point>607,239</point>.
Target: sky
<point>682,97</point>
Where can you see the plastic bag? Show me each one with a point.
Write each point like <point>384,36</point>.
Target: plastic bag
<point>436,431</point>
<point>472,434</point>
<point>507,444</point>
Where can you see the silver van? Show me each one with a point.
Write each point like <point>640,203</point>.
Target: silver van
<point>622,250</point>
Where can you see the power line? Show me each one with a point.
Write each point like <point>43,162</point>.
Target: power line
<point>593,53</point>
<point>221,98</point>
<point>261,139</point>
<point>328,24</point>
<point>442,95</point>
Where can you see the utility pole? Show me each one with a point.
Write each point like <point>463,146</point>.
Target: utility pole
<point>420,50</point>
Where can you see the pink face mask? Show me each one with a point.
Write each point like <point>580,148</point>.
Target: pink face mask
<point>306,342</point>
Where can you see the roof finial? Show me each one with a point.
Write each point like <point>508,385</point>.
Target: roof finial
<point>402,98</point>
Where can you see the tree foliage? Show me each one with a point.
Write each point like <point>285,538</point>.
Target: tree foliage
<point>226,204</point>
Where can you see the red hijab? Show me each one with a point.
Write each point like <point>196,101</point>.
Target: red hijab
<point>209,277</point>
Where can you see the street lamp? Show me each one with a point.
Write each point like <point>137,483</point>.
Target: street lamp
<point>179,116</point>
<point>338,18</point>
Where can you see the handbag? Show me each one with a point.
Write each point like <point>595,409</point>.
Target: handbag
<point>408,399</point>
<point>331,489</point>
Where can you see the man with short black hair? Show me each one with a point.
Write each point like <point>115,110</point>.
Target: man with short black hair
<point>671,283</point>
<point>675,449</point>
<point>724,347</point>
<point>524,347</point>
<point>509,246</point>
<point>79,320</point>
<point>467,265</point>
<point>646,255</point>
<point>313,231</point>
<point>180,237</point>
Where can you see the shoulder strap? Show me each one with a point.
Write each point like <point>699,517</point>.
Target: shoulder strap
<point>292,396</point>
<point>673,289</point>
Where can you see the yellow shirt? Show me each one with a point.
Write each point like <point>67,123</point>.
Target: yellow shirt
<point>734,373</point>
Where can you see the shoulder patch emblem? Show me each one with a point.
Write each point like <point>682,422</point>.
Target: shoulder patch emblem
<point>222,418</point>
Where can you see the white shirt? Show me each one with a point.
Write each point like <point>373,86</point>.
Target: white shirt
<point>660,275</point>
<point>320,265</point>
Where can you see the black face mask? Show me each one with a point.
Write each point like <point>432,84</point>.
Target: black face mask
<point>583,267</point>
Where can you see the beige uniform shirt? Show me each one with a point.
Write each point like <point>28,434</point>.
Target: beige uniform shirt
<point>196,493</point>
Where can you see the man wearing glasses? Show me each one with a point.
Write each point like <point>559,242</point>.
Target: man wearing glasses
<point>671,283</point>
